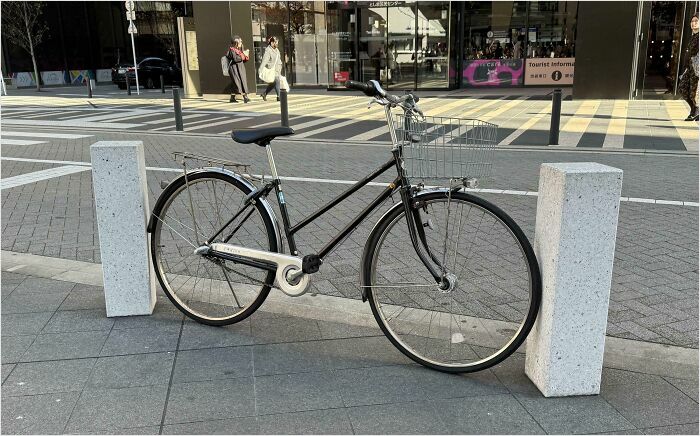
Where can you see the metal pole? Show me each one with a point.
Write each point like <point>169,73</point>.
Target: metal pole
<point>556,115</point>
<point>128,84</point>
<point>178,109</point>
<point>283,107</point>
<point>162,84</point>
<point>87,82</point>
<point>136,66</point>
<point>3,90</point>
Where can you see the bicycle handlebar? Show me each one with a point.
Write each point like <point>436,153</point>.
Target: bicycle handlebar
<point>366,88</point>
<point>374,89</point>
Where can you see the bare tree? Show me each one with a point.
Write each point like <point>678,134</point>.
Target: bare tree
<point>22,25</point>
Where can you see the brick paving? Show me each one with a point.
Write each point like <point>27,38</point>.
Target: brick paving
<point>66,368</point>
<point>655,279</point>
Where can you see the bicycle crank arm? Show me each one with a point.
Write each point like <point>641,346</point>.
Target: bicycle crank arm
<point>288,276</point>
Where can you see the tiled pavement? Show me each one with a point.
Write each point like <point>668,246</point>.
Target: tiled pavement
<point>655,279</point>
<point>66,368</point>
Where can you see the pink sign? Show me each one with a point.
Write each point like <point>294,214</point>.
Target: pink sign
<point>493,72</point>
<point>341,76</point>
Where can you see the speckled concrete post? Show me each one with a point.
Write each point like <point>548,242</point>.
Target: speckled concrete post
<point>121,201</point>
<point>577,209</point>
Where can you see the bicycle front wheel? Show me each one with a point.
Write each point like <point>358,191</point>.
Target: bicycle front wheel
<point>489,308</point>
<point>210,290</point>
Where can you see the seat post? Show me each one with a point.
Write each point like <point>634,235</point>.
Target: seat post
<point>271,160</point>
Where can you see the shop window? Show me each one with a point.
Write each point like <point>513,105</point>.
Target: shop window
<point>551,49</point>
<point>494,43</point>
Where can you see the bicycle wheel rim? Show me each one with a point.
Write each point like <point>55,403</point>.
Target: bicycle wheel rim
<point>228,299</point>
<point>469,350</point>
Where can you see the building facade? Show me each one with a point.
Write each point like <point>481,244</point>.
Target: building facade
<point>612,49</point>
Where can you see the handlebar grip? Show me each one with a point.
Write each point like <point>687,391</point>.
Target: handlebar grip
<point>366,88</point>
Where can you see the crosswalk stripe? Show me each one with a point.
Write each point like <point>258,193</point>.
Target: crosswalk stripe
<point>525,126</point>
<point>171,119</point>
<point>615,133</point>
<point>226,121</point>
<point>117,116</point>
<point>480,107</point>
<point>446,108</point>
<point>576,126</point>
<point>506,107</point>
<point>69,123</point>
<point>37,176</point>
<point>44,135</point>
<point>4,141</point>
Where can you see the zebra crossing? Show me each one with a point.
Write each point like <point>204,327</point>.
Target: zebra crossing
<point>523,120</point>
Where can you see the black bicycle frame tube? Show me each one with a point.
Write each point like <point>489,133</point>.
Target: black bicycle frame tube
<point>291,230</point>
<point>386,193</point>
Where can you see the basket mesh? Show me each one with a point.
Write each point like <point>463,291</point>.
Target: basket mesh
<point>440,148</point>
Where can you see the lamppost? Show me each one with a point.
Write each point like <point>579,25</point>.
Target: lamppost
<point>131,16</point>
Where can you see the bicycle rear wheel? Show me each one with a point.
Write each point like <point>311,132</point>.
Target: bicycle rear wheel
<point>210,290</point>
<point>488,311</point>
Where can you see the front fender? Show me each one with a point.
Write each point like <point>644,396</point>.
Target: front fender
<point>375,230</point>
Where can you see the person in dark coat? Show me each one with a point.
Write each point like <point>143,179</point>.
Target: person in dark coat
<point>237,56</point>
<point>688,86</point>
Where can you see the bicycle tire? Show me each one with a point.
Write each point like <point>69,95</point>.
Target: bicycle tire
<point>369,274</point>
<point>171,192</point>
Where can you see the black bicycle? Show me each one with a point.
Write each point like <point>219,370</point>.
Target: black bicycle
<point>451,279</point>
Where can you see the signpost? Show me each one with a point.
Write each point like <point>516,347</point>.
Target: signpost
<point>131,15</point>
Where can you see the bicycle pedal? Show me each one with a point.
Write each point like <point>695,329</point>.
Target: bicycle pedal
<point>311,263</point>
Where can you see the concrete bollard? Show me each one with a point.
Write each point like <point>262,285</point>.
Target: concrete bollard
<point>121,202</point>
<point>577,210</point>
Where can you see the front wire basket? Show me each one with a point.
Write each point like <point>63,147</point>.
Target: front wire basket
<point>443,148</point>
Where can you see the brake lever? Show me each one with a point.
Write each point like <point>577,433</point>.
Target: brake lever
<point>375,100</point>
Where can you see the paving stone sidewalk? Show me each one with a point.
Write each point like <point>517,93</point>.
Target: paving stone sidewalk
<point>67,368</point>
<point>654,294</point>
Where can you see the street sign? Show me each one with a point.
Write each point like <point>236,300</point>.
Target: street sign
<point>130,15</point>
<point>129,4</point>
<point>132,28</point>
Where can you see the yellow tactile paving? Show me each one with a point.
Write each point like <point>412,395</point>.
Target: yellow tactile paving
<point>578,123</point>
<point>615,134</point>
<point>687,130</point>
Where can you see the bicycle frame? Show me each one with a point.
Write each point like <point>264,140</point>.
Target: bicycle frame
<point>400,184</point>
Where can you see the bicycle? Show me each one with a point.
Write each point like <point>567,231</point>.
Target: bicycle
<point>451,279</point>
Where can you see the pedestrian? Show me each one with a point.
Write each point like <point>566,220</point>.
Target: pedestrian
<point>271,63</point>
<point>688,86</point>
<point>237,56</point>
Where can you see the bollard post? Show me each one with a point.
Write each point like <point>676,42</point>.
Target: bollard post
<point>575,229</point>
<point>89,88</point>
<point>178,109</point>
<point>556,115</point>
<point>284,109</point>
<point>162,85</point>
<point>128,86</point>
<point>122,211</point>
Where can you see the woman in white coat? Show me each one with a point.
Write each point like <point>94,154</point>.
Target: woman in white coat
<point>272,60</point>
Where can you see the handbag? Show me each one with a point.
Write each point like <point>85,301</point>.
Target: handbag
<point>284,84</point>
<point>694,62</point>
<point>224,65</point>
<point>268,75</point>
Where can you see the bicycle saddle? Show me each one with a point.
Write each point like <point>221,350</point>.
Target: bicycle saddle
<point>262,137</point>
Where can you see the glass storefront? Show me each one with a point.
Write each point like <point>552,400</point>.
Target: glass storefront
<point>422,45</point>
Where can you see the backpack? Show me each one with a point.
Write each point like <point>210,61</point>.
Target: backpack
<point>224,65</point>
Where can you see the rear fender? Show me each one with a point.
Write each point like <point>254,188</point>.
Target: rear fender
<point>249,186</point>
